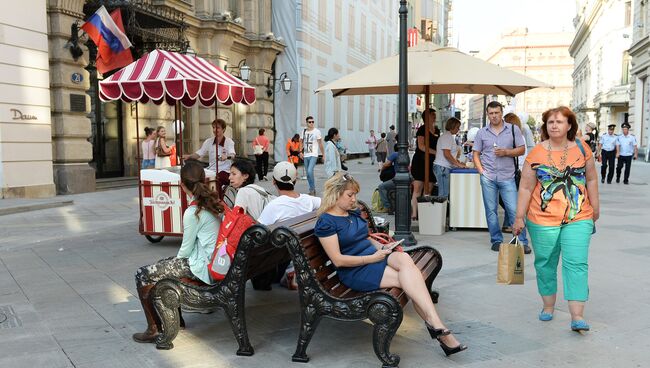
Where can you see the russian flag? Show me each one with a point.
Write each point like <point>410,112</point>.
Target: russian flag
<point>107,32</point>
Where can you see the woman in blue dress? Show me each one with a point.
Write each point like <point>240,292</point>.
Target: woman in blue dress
<point>361,263</point>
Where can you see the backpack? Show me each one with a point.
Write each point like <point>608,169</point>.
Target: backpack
<point>387,173</point>
<point>235,222</point>
<point>375,202</point>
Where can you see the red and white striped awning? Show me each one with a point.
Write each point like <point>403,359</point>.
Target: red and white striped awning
<point>164,76</point>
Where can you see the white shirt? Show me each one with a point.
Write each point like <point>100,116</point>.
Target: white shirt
<point>446,141</point>
<point>209,147</point>
<point>626,143</point>
<point>285,207</point>
<point>253,199</point>
<point>371,142</point>
<point>310,142</point>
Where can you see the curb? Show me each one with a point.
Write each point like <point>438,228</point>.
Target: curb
<point>34,207</point>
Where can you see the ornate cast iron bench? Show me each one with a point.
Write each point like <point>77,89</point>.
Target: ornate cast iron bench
<point>323,295</point>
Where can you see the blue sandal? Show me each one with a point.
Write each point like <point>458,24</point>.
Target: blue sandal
<point>579,325</point>
<point>545,317</point>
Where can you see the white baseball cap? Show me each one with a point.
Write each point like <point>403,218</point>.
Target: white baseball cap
<point>285,172</point>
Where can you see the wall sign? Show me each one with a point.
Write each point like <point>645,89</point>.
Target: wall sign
<point>76,78</point>
<point>18,115</point>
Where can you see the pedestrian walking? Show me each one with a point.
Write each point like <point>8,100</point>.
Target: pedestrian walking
<point>201,222</point>
<point>626,150</point>
<point>312,144</point>
<point>391,139</point>
<point>372,146</point>
<point>590,136</point>
<point>382,149</point>
<point>261,151</point>
<point>495,147</point>
<point>148,149</point>
<point>558,195</point>
<point>332,155</point>
<point>294,149</point>
<point>607,148</point>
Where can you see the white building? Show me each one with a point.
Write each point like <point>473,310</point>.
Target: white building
<point>601,76</point>
<point>639,110</point>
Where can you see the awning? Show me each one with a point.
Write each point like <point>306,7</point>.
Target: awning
<point>164,76</point>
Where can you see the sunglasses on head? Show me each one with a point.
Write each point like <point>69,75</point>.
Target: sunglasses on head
<point>346,177</point>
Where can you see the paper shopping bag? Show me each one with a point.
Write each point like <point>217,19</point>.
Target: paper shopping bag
<point>510,266</point>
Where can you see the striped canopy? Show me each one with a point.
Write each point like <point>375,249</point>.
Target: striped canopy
<point>164,76</point>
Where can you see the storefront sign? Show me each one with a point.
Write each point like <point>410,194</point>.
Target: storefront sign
<point>162,201</point>
<point>77,78</point>
<point>18,115</point>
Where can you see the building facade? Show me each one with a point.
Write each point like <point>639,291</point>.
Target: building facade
<point>542,56</point>
<point>55,134</point>
<point>601,75</point>
<point>639,112</point>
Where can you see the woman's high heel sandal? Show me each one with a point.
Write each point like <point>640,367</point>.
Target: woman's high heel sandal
<point>437,333</point>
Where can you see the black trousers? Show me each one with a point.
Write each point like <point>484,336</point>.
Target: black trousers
<point>627,161</point>
<point>262,162</point>
<point>608,158</point>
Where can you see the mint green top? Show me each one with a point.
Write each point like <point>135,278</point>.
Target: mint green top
<point>199,239</point>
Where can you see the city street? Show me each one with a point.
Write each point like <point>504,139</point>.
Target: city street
<point>68,298</point>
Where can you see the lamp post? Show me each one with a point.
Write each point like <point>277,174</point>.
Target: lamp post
<point>402,178</point>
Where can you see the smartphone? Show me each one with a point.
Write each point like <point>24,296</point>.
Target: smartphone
<point>392,245</point>
<point>594,230</point>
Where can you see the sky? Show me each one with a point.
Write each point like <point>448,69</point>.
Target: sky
<point>477,23</point>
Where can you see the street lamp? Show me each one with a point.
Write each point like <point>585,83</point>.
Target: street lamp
<point>243,70</point>
<point>402,178</point>
<point>285,84</point>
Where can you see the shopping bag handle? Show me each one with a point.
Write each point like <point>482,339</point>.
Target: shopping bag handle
<point>514,240</point>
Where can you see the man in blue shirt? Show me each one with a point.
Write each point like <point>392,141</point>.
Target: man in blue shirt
<point>626,149</point>
<point>607,149</point>
<point>495,148</point>
<point>388,169</point>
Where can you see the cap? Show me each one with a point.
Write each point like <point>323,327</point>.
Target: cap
<point>591,125</point>
<point>611,126</point>
<point>285,172</point>
<point>625,125</point>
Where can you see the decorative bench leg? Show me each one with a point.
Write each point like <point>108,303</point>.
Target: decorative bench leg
<point>387,320</point>
<point>234,308</point>
<point>434,296</point>
<point>166,302</point>
<point>309,320</point>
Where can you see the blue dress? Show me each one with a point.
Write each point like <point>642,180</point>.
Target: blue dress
<point>352,231</point>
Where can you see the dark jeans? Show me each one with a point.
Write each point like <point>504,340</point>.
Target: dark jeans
<point>627,161</point>
<point>608,158</point>
<point>262,164</point>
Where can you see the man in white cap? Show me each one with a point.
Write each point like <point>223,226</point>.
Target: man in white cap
<point>289,203</point>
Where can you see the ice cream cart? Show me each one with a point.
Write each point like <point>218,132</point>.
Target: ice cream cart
<point>181,81</point>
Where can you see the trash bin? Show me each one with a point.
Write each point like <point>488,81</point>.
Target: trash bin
<point>432,215</point>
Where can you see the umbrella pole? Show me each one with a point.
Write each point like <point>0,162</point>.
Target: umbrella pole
<point>137,145</point>
<point>178,140</point>
<point>402,177</point>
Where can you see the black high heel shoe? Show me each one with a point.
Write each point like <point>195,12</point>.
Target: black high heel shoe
<point>437,333</point>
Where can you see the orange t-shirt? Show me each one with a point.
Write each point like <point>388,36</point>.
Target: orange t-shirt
<point>560,196</point>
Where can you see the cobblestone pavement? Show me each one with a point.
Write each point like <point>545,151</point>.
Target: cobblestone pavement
<point>67,297</point>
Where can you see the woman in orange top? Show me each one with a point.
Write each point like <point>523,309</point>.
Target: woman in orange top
<point>558,194</point>
<point>293,150</point>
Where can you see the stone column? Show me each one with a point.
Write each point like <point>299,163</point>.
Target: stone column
<point>70,104</point>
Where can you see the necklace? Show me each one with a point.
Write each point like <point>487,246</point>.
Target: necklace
<point>565,153</point>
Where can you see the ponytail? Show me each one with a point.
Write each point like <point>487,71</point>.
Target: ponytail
<point>193,177</point>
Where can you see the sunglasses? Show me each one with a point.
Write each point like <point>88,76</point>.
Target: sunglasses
<point>346,177</point>
<point>310,122</point>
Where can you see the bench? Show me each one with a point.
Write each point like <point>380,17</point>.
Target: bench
<point>254,256</point>
<point>323,295</point>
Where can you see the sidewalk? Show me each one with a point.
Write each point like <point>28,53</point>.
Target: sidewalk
<point>67,297</point>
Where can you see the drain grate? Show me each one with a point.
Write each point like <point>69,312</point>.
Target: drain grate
<point>8,317</point>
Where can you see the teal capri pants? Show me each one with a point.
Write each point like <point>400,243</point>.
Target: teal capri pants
<point>572,240</point>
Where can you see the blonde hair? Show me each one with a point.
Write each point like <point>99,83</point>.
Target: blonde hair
<point>334,188</point>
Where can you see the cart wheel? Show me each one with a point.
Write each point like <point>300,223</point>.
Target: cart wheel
<point>154,239</point>
<point>453,229</point>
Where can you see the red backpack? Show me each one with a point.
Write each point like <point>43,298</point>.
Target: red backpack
<point>235,222</point>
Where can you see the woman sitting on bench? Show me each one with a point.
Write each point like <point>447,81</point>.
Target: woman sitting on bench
<point>363,265</point>
<point>201,222</point>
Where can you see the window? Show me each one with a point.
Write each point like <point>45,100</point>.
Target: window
<point>373,45</point>
<point>305,95</point>
<point>371,119</point>
<point>351,113</point>
<point>362,114</point>
<point>337,112</point>
<point>351,39</point>
<point>362,48</point>
<point>628,13</point>
<point>322,106</point>
<point>305,10</point>
<point>338,19</point>
<point>625,73</point>
<point>322,15</point>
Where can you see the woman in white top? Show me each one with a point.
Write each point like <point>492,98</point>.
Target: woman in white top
<point>162,150</point>
<point>332,154</point>
<point>252,198</point>
<point>148,150</point>
<point>444,163</point>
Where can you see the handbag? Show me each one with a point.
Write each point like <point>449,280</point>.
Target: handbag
<point>510,266</point>
<point>258,149</point>
<point>383,238</point>
<point>160,152</point>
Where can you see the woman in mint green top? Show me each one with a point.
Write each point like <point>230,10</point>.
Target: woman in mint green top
<point>201,222</point>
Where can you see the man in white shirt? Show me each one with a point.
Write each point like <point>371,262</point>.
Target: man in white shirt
<point>219,162</point>
<point>289,203</point>
<point>312,143</point>
<point>372,146</point>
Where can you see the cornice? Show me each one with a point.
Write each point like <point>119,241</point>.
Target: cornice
<point>585,28</point>
<point>639,46</point>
